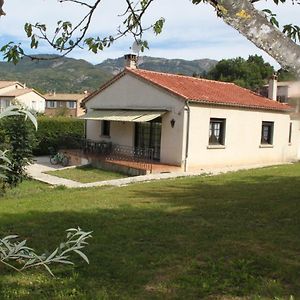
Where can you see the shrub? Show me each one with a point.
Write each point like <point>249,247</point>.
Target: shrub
<point>18,139</point>
<point>58,133</point>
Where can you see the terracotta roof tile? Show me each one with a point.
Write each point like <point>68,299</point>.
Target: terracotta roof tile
<point>208,91</point>
<point>200,90</point>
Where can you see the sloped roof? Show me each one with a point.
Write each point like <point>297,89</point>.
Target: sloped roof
<point>6,83</point>
<point>65,97</point>
<point>19,92</point>
<point>201,90</point>
<point>16,92</point>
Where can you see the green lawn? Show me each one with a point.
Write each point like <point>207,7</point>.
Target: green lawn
<point>234,236</point>
<point>86,174</point>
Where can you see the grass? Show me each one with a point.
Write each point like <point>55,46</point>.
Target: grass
<point>86,174</point>
<point>233,236</point>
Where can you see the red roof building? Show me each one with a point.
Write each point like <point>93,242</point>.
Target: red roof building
<point>192,123</point>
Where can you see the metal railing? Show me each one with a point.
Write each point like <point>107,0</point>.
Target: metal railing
<point>141,158</point>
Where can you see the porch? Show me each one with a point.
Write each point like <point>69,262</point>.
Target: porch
<point>130,160</point>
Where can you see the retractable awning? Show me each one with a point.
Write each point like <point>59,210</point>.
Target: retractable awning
<point>123,115</point>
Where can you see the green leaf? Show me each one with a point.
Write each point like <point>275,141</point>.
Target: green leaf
<point>84,257</point>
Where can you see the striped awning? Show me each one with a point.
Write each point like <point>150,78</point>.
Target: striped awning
<point>123,115</point>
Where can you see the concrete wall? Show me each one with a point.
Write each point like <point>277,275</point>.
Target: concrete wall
<point>242,138</point>
<point>131,93</point>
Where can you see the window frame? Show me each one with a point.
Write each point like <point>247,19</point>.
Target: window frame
<point>105,128</point>
<point>74,103</point>
<point>214,123</point>
<point>49,102</point>
<point>270,133</point>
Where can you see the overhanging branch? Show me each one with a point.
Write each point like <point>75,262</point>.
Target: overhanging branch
<point>251,23</point>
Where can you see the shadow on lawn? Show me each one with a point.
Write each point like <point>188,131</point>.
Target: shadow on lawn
<point>193,238</point>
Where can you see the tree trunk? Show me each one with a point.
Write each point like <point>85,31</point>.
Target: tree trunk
<point>244,17</point>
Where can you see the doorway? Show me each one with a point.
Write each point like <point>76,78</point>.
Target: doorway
<point>148,136</point>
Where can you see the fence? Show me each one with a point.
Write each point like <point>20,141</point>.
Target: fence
<point>141,158</point>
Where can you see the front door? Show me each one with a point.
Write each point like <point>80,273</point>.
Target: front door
<point>148,135</point>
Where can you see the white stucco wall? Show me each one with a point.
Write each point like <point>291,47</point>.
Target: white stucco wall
<point>121,133</point>
<point>294,89</point>
<point>32,101</point>
<point>131,93</point>
<point>296,135</point>
<point>242,138</point>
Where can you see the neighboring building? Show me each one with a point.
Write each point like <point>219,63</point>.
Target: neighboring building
<point>190,122</point>
<point>64,104</point>
<point>14,92</point>
<point>283,91</point>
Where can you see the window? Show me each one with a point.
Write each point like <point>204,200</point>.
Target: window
<point>71,104</point>
<point>105,128</point>
<point>282,99</point>
<point>217,131</point>
<point>267,133</point>
<point>51,104</point>
<point>34,105</point>
<point>290,133</point>
<point>4,103</point>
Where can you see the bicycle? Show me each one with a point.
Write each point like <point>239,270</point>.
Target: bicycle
<point>59,158</point>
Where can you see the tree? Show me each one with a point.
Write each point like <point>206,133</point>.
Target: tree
<point>284,75</point>
<point>260,27</point>
<point>252,73</point>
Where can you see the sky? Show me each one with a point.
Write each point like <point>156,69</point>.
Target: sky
<point>190,32</point>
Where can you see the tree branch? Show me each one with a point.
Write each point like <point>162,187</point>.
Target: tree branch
<point>253,24</point>
<point>2,13</point>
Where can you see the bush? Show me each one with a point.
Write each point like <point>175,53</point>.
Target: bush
<point>58,133</point>
<point>18,138</point>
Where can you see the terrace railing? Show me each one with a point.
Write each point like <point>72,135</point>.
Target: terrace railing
<point>141,158</point>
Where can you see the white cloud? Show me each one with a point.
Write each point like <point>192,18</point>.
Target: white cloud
<point>191,32</point>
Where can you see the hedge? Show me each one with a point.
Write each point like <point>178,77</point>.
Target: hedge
<point>58,133</point>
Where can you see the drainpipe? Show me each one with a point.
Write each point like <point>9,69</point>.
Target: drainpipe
<point>187,135</point>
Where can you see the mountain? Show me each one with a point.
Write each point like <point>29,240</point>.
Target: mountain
<point>175,66</point>
<point>62,75</point>
<point>77,75</point>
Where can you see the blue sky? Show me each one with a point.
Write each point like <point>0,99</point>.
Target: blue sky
<point>191,32</point>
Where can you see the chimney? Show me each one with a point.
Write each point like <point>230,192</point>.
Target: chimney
<point>272,89</point>
<point>130,61</point>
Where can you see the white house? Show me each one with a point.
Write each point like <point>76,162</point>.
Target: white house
<point>13,91</point>
<point>190,122</point>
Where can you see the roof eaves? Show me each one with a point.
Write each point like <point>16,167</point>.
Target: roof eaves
<point>41,95</point>
<point>232,104</point>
